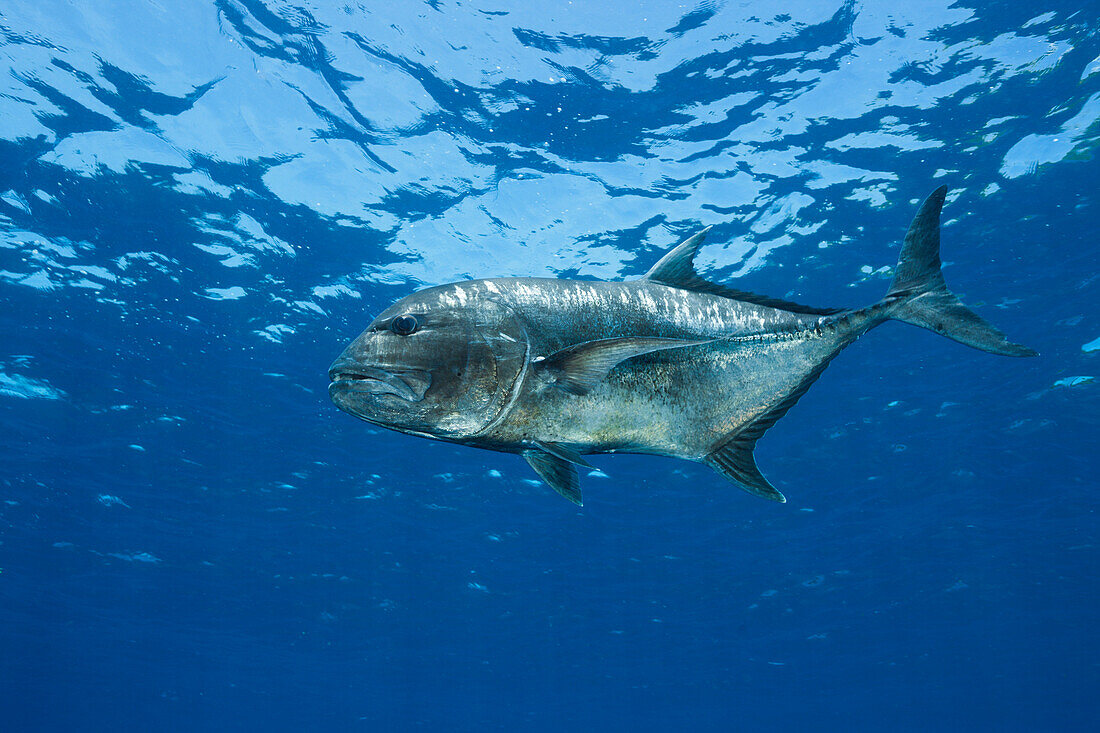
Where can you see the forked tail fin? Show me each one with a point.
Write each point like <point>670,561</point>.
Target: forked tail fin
<point>919,295</point>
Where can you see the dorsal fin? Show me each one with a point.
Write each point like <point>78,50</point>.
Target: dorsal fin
<point>733,458</point>
<point>677,269</point>
<point>679,264</point>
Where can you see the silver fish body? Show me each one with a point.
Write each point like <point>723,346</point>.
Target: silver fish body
<point>670,365</point>
<point>679,401</point>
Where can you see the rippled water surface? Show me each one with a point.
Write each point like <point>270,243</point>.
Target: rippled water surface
<point>202,202</point>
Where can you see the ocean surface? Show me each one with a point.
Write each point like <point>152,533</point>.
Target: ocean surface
<point>202,202</point>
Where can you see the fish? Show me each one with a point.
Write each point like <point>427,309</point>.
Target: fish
<point>671,364</point>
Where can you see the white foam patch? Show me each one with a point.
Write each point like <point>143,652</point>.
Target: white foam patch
<point>38,280</point>
<point>332,177</point>
<point>1092,67</point>
<point>16,385</point>
<point>828,174</point>
<point>198,182</point>
<point>1036,150</point>
<point>309,306</point>
<point>240,241</point>
<point>388,96</point>
<point>13,198</point>
<point>782,210</point>
<point>229,256</point>
<point>88,152</point>
<point>232,293</point>
<point>881,139</point>
<point>95,271</point>
<point>335,291</point>
<point>275,333</point>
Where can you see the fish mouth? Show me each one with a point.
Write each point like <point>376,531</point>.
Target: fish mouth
<point>407,384</point>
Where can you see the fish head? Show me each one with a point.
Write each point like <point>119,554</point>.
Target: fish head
<point>440,363</point>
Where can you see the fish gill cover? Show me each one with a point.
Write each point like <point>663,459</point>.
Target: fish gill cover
<point>201,202</point>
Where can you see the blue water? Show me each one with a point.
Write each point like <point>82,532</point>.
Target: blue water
<point>202,202</point>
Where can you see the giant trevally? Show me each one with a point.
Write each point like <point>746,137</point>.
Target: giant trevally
<point>670,364</point>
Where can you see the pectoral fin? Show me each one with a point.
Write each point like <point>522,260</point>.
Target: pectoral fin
<point>579,368</point>
<point>559,473</point>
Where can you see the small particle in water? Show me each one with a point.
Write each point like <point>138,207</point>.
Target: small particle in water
<point>136,557</point>
<point>136,447</point>
<point>597,473</point>
<point>1074,381</point>
<point>493,473</point>
<point>814,581</point>
<point>805,509</point>
<point>108,500</point>
<point>477,586</point>
<point>769,593</point>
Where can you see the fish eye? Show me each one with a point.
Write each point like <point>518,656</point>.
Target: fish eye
<point>404,325</point>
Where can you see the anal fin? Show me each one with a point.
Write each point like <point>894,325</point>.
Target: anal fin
<point>733,458</point>
<point>735,461</point>
<point>560,474</point>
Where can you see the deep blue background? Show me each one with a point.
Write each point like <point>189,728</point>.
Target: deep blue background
<point>200,203</point>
